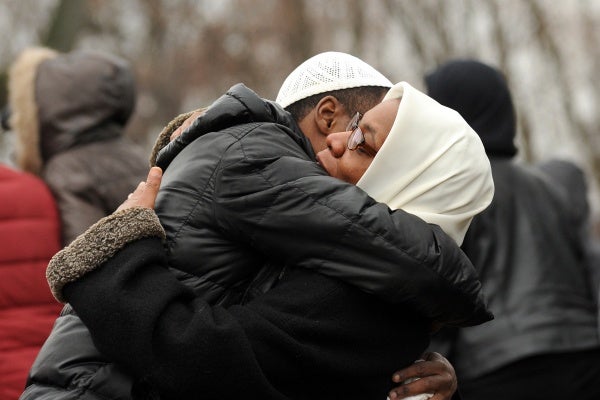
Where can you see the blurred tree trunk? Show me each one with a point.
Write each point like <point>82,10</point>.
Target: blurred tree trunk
<point>161,63</point>
<point>3,89</point>
<point>70,17</point>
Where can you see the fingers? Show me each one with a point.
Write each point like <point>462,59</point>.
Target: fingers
<point>153,180</point>
<point>432,363</point>
<point>417,370</point>
<point>177,132</point>
<point>423,386</point>
<point>145,193</point>
<point>433,374</point>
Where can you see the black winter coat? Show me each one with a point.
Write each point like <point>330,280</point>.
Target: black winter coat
<point>237,198</point>
<point>530,258</point>
<point>242,189</point>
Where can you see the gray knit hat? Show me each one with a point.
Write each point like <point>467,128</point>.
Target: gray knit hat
<point>327,72</point>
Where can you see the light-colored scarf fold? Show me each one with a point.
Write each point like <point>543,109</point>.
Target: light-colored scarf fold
<point>432,164</point>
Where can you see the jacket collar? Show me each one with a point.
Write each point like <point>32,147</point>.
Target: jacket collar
<point>240,105</point>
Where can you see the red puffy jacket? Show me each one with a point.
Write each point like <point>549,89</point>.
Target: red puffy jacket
<point>29,236</point>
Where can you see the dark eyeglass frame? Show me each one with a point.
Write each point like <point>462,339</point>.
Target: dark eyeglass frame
<point>357,137</point>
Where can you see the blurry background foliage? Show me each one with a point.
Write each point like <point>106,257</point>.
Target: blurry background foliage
<point>188,52</point>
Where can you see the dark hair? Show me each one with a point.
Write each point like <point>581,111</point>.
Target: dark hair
<point>360,99</point>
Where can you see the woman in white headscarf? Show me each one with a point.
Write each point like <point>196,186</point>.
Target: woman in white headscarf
<point>430,163</point>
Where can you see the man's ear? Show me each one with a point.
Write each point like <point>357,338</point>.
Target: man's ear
<point>327,113</point>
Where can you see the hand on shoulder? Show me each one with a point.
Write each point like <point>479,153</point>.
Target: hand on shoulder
<point>145,193</point>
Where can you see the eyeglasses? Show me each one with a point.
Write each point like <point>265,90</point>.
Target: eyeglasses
<point>357,137</point>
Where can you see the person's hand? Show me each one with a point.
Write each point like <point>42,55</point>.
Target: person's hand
<point>185,124</point>
<point>436,375</point>
<point>145,193</point>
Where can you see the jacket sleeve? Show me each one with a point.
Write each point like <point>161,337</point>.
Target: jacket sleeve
<point>290,209</point>
<point>68,367</point>
<point>306,338</point>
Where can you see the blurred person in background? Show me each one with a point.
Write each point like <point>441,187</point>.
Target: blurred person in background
<point>68,112</point>
<point>527,247</point>
<point>29,236</point>
<point>572,180</point>
<point>297,293</point>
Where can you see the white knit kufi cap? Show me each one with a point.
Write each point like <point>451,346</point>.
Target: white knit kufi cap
<point>432,164</point>
<point>327,72</point>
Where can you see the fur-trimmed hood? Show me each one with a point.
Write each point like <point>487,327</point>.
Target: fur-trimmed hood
<point>164,137</point>
<point>58,101</point>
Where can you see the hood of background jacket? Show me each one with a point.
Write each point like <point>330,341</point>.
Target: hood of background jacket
<point>432,164</point>
<point>59,101</point>
<point>481,95</point>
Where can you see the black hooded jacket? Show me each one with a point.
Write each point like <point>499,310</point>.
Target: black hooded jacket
<point>245,173</point>
<point>526,246</point>
<point>245,205</point>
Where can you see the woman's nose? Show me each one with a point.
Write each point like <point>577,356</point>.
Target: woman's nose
<point>336,143</point>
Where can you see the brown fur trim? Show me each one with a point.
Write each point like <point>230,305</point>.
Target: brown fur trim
<point>163,138</point>
<point>98,244</point>
<point>24,118</point>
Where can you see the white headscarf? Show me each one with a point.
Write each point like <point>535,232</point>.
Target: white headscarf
<point>432,164</point>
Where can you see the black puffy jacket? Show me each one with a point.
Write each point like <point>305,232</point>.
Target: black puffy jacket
<point>242,202</point>
<point>235,199</point>
<point>69,367</point>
